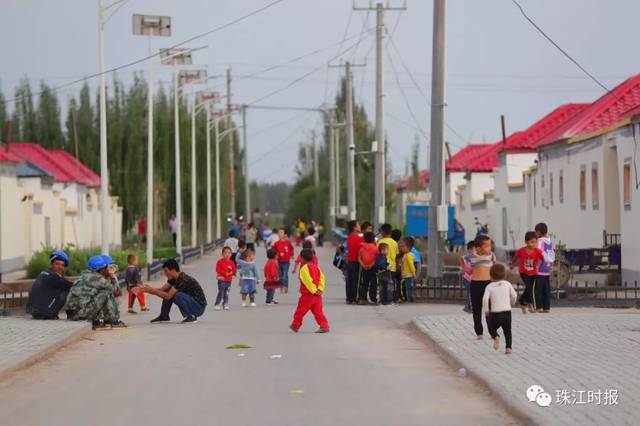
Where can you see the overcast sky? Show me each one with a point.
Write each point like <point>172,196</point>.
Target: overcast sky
<point>497,63</point>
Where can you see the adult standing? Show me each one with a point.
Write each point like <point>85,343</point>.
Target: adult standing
<point>250,236</point>
<point>142,230</point>
<point>354,242</point>
<point>173,227</point>
<point>181,289</point>
<point>50,289</point>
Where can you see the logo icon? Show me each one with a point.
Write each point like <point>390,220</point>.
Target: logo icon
<point>535,393</point>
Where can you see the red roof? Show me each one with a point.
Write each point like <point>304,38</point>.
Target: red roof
<point>59,164</point>
<point>487,159</point>
<point>460,160</point>
<point>408,182</point>
<point>7,157</point>
<point>610,109</point>
<point>534,136</point>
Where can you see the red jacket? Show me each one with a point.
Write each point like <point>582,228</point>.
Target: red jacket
<point>354,242</point>
<point>311,279</point>
<point>271,272</point>
<point>284,250</point>
<point>225,269</point>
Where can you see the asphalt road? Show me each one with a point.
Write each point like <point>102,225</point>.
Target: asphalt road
<point>370,369</point>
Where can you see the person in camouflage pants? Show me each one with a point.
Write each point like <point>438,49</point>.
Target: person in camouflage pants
<point>93,296</point>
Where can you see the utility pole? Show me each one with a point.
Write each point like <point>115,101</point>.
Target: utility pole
<point>208,135</point>
<point>316,171</point>
<point>436,182</point>
<point>379,151</point>
<point>332,170</point>
<point>337,167</point>
<point>218,218</point>
<point>194,197</point>
<point>105,202</point>
<point>232,189</point>
<point>176,119</point>
<point>351,147</point>
<point>245,159</point>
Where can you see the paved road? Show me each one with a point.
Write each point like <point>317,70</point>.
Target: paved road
<point>369,370</point>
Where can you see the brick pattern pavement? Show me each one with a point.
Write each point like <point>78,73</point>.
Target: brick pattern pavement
<point>564,353</point>
<point>24,340</point>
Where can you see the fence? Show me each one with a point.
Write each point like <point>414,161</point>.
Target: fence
<point>155,268</point>
<point>450,288</point>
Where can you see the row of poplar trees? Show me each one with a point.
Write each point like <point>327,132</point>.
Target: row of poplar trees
<point>36,117</point>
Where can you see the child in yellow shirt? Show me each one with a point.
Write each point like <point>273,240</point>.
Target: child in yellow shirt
<point>408,269</point>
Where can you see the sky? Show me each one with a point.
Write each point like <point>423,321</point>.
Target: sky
<point>496,61</point>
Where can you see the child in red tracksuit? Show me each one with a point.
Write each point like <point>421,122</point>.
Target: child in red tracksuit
<point>225,271</point>
<point>311,289</point>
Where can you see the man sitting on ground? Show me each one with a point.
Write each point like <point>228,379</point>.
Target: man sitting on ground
<point>50,290</point>
<point>93,296</point>
<point>180,289</point>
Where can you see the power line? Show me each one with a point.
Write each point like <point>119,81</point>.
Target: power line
<point>557,46</point>
<point>153,55</point>
<point>344,36</point>
<point>276,125</point>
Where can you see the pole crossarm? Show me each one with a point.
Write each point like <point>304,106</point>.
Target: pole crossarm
<point>284,108</point>
<point>371,6</point>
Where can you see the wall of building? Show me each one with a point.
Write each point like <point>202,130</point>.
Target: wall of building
<point>628,153</point>
<point>11,220</point>
<point>454,180</point>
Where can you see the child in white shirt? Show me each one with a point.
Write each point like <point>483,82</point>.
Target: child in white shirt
<point>497,301</point>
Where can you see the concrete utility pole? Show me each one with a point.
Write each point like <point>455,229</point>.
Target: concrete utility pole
<point>232,189</point>
<point>194,197</point>
<point>208,135</point>
<point>105,201</point>
<point>436,183</point>
<point>245,160</point>
<point>218,218</point>
<point>379,216</point>
<point>332,170</point>
<point>351,147</point>
<point>337,167</point>
<point>176,126</point>
<point>316,170</point>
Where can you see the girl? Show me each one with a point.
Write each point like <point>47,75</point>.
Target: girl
<point>481,262</point>
<point>249,278</point>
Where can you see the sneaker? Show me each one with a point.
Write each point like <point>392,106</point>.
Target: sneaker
<point>189,319</point>
<point>292,328</point>
<point>217,307</point>
<point>144,309</point>
<point>131,311</point>
<point>546,311</point>
<point>479,337</point>
<point>322,330</point>
<point>253,304</point>
<point>225,307</point>
<point>99,325</point>
<point>274,302</point>
<point>244,304</point>
<point>159,319</point>
<point>118,325</point>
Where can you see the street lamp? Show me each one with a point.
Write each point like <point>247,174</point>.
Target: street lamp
<point>206,98</point>
<point>193,77</point>
<point>150,25</point>
<point>175,58</point>
<point>217,116</point>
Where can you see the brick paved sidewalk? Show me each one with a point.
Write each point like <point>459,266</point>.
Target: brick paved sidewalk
<point>24,341</point>
<point>568,354</point>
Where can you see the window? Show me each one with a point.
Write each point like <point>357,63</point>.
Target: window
<point>595,190</point>
<point>626,184</point>
<point>561,188</point>
<point>583,187</point>
<point>551,188</point>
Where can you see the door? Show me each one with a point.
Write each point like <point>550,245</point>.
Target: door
<point>611,188</point>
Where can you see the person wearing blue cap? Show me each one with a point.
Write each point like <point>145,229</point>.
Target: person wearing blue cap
<point>93,296</point>
<point>50,289</point>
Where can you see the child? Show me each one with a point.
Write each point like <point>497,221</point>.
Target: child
<point>311,289</point>
<point>384,275</point>
<point>497,300</point>
<point>225,271</point>
<point>249,278</point>
<point>284,253</point>
<point>242,248</point>
<point>543,287</point>
<point>271,276</point>
<point>417,259</point>
<point>530,258</point>
<point>354,241</point>
<point>232,242</point>
<point>392,252</point>
<point>250,236</point>
<point>481,262</point>
<point>298,262</point>
<point>367,259</point>
<point>133,279</point>
<point>465,265</point>
<point>311,237</point>
<point>408,268</point>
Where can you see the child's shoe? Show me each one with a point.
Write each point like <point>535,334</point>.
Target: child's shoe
<point>225,307</point>
<point>524,309</point>
<point>217,307</point>
<point>131,311</point>
<point>144,309</point>
<point>531,309</point>
<point>244,304</point>
<point>322,330</point>
<point>508,351</point>
<point>253,304</point>
<point>496,343</point>
<point>546,311</point>
<point>292,328</point>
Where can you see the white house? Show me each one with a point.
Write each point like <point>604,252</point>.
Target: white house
<point>411,191</point>
<point>11,214</point>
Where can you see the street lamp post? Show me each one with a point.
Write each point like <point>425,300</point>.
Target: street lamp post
<point>150,26</point>
<point>205,99</point>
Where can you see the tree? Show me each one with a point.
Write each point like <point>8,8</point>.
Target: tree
<point>24,116</point>
<point>47,119</point>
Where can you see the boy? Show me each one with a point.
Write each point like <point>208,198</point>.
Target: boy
<point>232,242</point>
<point>392,253</point>
<point>497,300</point>
<point>311,289</point>
<point>133,279</point>
<point>225,271</point>
<point>481,262</point>
<point>408,268</point>
<point>298,262</point>
<point>530,258</point>
<point>466,277</point>
<point>366,227</point>
<point>543,287</point>
<point>249,278</point>
<point>354,242</point>
<point>271,276</point>
<point>417,259</point>
<point>284,253</point>
<point>367,259</point>
<point>384,275</point>
<point>242,249</point>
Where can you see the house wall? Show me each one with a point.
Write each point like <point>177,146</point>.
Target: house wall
<point>11,220</point>
<point>629,223</point>
<point>454,180</point>
<point>470,213</point>
<point>479,184</point>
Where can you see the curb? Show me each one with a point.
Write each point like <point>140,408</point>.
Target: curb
<point>45,352</point>
<point>452,361</point>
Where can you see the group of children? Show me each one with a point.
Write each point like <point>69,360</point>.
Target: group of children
<point>489,291</point>
<point>386,268</point>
